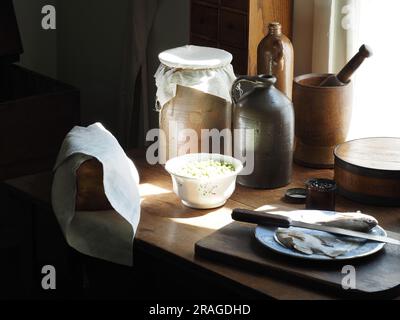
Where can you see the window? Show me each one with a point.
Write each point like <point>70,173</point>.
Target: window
<point>377,84</point>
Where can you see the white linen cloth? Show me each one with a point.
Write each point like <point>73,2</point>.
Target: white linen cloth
<point>205,69</point>
<point>107,235</point>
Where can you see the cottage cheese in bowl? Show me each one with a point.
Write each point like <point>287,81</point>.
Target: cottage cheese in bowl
<point>203,180</point>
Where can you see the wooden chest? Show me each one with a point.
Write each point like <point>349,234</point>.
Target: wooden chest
<point>36,112</point>
<point>238,26</point>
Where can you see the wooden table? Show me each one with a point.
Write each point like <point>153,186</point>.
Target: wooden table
<point>168,230</point>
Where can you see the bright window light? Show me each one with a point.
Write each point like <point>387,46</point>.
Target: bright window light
<point>376,101</point>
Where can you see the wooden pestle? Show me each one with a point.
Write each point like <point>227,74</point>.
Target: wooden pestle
<point>345,74</point>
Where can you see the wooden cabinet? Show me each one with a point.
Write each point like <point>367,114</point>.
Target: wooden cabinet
<point>36,113</point>
<point>238,26</point>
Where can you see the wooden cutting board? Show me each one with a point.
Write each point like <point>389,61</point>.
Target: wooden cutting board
<point>377,276</point>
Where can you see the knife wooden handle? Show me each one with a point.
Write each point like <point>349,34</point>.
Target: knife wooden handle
<point>261,218</point>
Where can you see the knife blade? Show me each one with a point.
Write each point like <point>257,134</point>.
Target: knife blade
<point>269,219</point>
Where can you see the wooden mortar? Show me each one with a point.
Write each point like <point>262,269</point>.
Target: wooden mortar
<point>323,116</point>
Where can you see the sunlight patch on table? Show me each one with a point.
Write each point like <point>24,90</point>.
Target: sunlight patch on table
<point>267,208</point>
<point>214,220</point>
<point>148,189</point>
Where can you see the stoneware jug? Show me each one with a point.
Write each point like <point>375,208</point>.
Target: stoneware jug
<point>269,116</point>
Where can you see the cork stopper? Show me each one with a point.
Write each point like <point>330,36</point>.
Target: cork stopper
<point>275,28</point>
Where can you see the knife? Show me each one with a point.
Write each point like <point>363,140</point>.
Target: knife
<point>270,219</point>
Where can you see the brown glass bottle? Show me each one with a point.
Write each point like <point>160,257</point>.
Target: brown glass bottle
<point>275,57</point>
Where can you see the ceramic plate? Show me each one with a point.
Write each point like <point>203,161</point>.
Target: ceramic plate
<point>266,236</point>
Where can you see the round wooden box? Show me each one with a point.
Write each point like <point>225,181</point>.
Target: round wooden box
<point>368,170</point>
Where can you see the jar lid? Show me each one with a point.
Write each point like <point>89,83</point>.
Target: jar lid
<point>296,196</point>
<point>195,57</point>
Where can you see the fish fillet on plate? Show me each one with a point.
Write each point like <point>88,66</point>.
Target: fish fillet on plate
<point>312,243</point>
<point>329,245</point>
<point>319,245</point>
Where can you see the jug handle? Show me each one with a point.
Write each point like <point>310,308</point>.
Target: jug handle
<point>257,81</point>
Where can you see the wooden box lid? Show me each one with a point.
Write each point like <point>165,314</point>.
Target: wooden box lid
<point>10,39</point>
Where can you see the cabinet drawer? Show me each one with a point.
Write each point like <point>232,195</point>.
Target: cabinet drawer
<point>242,5</point>
<point>239,61</point>
<point>204,20</point>
<point>214,2</point>
<point>233,29</point>
<point>198,41</point>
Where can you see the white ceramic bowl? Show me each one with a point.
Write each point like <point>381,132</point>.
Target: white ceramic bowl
<point>203,193</point>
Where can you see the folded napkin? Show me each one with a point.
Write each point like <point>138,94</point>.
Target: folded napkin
<point>109,234</point>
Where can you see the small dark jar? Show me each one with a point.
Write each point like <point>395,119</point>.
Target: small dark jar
<point>321,194</point>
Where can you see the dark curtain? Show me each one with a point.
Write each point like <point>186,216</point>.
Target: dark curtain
<point>134,108</point>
